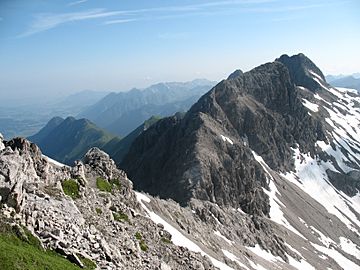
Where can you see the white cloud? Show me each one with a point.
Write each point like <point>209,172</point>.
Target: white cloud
<point>77,2</point>
<point>120,21</point>
<point>45,22</point>
<point>48,21</point>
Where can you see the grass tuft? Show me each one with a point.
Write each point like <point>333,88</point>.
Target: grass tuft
<point>166,240</point>
<point>103,185</point>
<point>71,188</point>
<point>138,236</point>
<point>115,182</point>
<point>88,264</point>
<point>143,246</point>
<point>120,216</point>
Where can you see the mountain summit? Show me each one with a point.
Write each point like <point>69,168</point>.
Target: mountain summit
<point>303,71</point>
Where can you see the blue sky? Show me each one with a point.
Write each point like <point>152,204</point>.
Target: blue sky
<point>59,47</point>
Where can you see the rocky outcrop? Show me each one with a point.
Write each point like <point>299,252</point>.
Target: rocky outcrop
<point>104,224</point>
<point>348,183</point>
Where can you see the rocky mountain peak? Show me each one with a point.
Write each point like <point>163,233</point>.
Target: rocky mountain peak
<point>98,159</point>
<point>235,74</point>
<point>303,71</point>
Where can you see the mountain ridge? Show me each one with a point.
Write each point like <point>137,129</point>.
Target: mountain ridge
<point>162,99</point>
<point>66,140</point>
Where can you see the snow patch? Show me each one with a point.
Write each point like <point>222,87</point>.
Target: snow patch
<point>349,247</point>
<point>142,197</point>
<point>216,219</point>
<point>323,239</point>
<point>226,139</point>
<point>217,233</point>
<point>177,237</point>
<point>315,74</point>
<point>335,92</point>
<point>337,154</point>
<point>301,265</point>
<point>234,258</point>
<point>338,257</point>
<point>263,253</point>
<point>310,175</point>
<point>311,106</point>
<point>320,82</point>
<point>276,214</point>
<point>317,96</point>
<point>54,162</point>
<point>293,249</point>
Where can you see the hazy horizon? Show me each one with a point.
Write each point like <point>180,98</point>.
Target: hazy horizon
<point>55,49</point>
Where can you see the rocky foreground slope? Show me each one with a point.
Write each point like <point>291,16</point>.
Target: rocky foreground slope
<point>97,220</point>
<point>261,173</point>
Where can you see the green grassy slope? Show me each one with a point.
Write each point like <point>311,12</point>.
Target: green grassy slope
<point>23,252</point>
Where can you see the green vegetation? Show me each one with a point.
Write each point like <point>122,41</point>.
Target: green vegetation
<point>143,246</point>
<point>166,240</point>
<point>98,211</point>
<point>20,250</point>
<point>138,236</point>
<point>71,188</point>
<point>88,264</point>
<point>115,182</point>
<point>107,186</point>
<point>103,185</point>
<point>120,216</point>
<point>142,243</point>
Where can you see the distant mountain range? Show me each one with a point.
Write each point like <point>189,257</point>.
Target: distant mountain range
<point>347,82</point>
<point>330,78</point>
<point>121,113</point>
<point>66,140</point>
<point>78,102</point>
